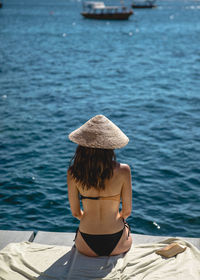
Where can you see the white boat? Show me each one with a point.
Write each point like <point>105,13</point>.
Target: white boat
<point>98,10</point>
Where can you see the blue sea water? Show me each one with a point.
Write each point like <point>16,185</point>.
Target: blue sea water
<point>58,69</point>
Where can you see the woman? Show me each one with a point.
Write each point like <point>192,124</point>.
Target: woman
<point>100,182</point>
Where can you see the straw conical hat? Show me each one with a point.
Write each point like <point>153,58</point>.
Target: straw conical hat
<point>99,132</point>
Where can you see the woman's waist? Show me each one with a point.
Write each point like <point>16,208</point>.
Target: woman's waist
<point>101,226</point>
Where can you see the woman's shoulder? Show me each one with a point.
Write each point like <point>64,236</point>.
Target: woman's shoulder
<point>122,168</point>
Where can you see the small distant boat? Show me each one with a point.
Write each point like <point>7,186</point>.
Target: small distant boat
<point>98,10</point>
<point>143,4</point>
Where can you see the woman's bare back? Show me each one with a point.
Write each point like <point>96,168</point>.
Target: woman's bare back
<point>102,216</point>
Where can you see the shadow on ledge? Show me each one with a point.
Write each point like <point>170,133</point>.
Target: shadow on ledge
<point>74,265</point>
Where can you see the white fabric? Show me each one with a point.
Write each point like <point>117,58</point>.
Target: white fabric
<point>22,261</point>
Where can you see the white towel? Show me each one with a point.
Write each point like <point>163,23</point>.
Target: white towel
<point>26,260</point>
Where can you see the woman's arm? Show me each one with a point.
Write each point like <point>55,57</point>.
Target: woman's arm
<point>126,192</point>
<point>73,196</point>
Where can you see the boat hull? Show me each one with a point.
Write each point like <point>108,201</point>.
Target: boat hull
<point>107,16</point>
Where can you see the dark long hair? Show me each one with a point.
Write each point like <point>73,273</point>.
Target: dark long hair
<point>91,166</point>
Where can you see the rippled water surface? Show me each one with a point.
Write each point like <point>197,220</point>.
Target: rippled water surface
<point>57,70</point>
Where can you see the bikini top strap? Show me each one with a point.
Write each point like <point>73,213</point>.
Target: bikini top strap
<point>113,197</point>
<point>89,197</point>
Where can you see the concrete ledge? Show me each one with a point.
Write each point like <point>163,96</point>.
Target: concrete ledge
<point>66,238</point>
<point>8,236</point>
<point>55,238</point>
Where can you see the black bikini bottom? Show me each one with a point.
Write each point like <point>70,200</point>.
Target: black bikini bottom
<point>103,244</point>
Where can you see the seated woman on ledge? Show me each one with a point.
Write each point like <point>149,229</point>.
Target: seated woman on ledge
<point>100,182</point>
